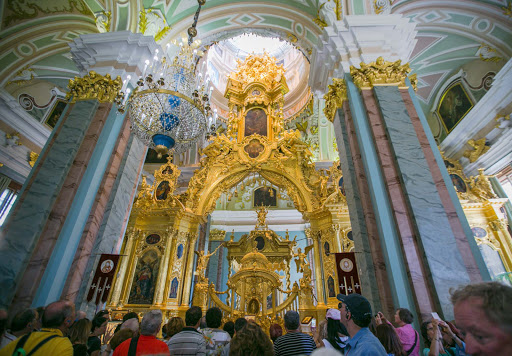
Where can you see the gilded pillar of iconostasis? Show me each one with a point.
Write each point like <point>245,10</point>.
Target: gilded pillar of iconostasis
<point>157,269</point>
<point>158,252</point>
<point>488,223</point>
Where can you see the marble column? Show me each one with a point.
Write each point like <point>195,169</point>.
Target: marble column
<point>37,198</point>
<point>56,219</point>
<point>417,223</point>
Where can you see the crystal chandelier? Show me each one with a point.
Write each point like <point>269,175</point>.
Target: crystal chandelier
<point>170,105</point>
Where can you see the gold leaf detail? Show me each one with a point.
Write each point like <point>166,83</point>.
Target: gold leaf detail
<point>94,86</point>
<point>33,158</point>
<point>381,72</point>
<point>335,97</point>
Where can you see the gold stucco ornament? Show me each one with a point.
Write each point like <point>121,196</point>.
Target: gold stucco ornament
<point>335,97</point>
<point>382,73</point>
<point>94,86</point>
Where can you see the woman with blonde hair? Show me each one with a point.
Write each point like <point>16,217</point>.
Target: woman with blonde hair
<point>78,334</point>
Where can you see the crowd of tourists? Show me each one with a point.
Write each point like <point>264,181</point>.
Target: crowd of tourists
<point>482,326</point>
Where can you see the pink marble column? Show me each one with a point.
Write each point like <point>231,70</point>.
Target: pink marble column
<point>31,278</point>
<point>424,299</point>
<point>379,264</point>
<point>90,233</point>
<point>455,224</point>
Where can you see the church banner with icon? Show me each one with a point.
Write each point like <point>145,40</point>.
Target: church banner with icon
<point>102,280</point>
<point>346,268</point>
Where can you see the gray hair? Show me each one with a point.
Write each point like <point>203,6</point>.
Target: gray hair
<point>495,301</point>
<point>291,320</point>
<point>151,323</point>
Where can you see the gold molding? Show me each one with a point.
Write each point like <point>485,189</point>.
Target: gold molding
<point>94,86</point>
<point>382,73</point>
<point>335,97</point>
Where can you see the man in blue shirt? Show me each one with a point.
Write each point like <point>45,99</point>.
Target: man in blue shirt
<point>356,315</point>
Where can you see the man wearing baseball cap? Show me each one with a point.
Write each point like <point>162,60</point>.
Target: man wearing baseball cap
<point>356,315</point>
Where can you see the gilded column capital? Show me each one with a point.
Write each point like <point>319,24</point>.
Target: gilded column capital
<point>335,97</point>
<point>94,86</point>
<point>217,235</point>
<point>382,73</point>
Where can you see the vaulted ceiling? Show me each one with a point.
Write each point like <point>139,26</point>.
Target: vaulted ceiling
<point>451,34</point>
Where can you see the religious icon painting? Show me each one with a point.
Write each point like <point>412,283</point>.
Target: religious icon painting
<point>342,187</point>
<point>327,248</point>
<point>167,170</point>
<point>260,242</point>
<point>453,106</point>
<point>256,122</point>
<point>162,191</point>
<point>179,251</point>
<point>265,196</point>
<point>479,232</point>
<point>254,148</point>
<point>253,307</point>
<point>56,113</point>
<point>174,288</point>
<point>144,278</point>
<point>152,239</point>
<point>458,183</point>
<point>349,236</point>
<point>330,287</point>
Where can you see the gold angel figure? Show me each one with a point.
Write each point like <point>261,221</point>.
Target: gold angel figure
<point>300,259</point>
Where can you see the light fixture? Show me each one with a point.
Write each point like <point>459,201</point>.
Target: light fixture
<point>170,107</point>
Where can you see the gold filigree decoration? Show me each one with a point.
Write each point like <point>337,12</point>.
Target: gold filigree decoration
<point>381,72</point>
<point>291,37</point>
<point>507,11</point>
<point>500,119</point>
<point>335,97</point>
<point>473,189</point>
<point>103,21</point>
<point>33,156</point>
<point>259,68</point>
<point>24,75</point>
<point>318,19</point>
<point>143,20</point>
<point>217,235</point>
<point>488,54</point>
<point>338,9</point>
<point>479,148</point>
<point>161,34</point>
<point>94,86</point>
<point>380,5</point>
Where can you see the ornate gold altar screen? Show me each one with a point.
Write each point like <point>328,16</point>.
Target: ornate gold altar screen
<point>157,268</point>
<point>157,271</point>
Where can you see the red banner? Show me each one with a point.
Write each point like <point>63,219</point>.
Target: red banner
<point>346,268</point>
<point>102,280</point>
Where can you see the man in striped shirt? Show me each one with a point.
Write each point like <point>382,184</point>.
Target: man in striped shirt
<point>293,342</point>
<point>189,341</point>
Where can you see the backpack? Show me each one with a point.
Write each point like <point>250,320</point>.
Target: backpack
<point>20,351</point>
